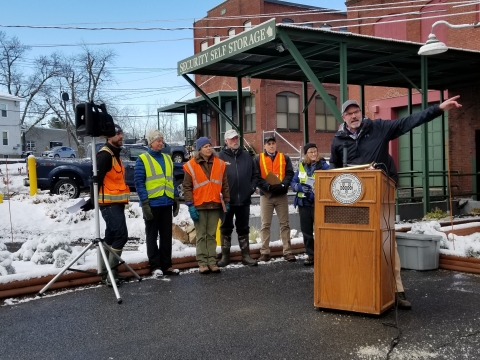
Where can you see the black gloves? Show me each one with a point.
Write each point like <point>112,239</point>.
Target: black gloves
<point>176,206</point>
<point>147,211</point>
<point>88,205</point>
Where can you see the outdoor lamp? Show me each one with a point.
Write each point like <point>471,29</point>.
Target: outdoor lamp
<point>433,46</point>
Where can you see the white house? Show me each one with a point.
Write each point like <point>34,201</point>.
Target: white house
<point>10,132</point>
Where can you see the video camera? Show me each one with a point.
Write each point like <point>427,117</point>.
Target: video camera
<point>93,120</point>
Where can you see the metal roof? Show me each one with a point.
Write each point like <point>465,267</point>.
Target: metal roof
<point>370,60</point>
<point>192,105</point>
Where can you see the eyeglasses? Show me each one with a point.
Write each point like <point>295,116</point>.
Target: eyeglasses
<point>350,114</point>
<point>312,152</point>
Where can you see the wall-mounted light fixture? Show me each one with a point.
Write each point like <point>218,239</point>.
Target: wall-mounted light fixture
<point>279,47</point>
<point>434,46</point>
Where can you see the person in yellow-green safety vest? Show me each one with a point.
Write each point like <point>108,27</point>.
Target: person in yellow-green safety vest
<point>158,194</point>
<point>302,183</point>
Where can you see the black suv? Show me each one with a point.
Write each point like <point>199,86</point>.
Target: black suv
<point>179,153</point>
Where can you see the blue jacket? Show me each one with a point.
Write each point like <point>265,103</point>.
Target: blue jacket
<point>140,177</point>
<point>309,169</point>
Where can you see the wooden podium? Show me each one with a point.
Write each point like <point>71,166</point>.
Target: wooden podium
<point>354,240</point>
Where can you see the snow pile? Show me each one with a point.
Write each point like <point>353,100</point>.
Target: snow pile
<point>430,228</point>
<point>6,267</point>
<point>50,248</point>
<point>464,246</point>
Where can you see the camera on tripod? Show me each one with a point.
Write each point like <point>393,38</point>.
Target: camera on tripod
<point>93,120</point>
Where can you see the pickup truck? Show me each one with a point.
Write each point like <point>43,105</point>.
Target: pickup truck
<point>71,176</point>
<point>179,153</point>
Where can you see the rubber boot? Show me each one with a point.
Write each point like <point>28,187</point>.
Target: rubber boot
<point>103,267</point>
<point>113,262</point>
<point>226,243</point>
<point>245,248</point>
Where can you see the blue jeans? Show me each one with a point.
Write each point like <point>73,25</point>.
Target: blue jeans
<point>116,233</point>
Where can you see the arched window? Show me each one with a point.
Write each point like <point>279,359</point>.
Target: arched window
<point>231,32</point>
<point>204,45</point>
<point>324,118</point>
<point>288,111</point>
<point>287,21</point>
<point>326,26</point>
<point>247,25</point>
<point>216,39</point>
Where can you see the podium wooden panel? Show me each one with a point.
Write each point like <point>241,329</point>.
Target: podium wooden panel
<point>354,242</point>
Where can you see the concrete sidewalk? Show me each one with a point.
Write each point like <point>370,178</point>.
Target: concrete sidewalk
<point>243,313</point>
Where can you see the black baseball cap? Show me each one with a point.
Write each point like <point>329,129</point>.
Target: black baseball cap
<point>269,138</point>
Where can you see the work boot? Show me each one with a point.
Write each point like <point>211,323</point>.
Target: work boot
<point>103,268</point>
<point>214,268</point>
<point>226,243</point>
<point>245,248</point>
<point>264,257</point>
<point>203,269</point>
<point>113,262</point>
<point>402,302</point>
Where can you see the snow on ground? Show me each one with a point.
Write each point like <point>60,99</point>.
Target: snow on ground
<point>48,232</point>
<point>44,220</point>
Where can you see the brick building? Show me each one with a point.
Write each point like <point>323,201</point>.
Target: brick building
<point>463,128</point>
<point>272,104</point>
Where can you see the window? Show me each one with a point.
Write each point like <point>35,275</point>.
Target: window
<point>31,146</point>
<point>247,25</point>
<point>204,45</point>
<point>5,137</point>
<point>324,119</point>
<point>325,26</point>
<point>250,117</point>
<point>230,108</point>
<point>231,32</point>
<point>288,111</point>
<point>205,111</point>
<point>287,21</point>
<point>216,39</point>
<point>310,25</point>
<point>3,107</point>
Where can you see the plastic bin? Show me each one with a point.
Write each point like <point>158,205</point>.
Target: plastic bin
<point>418,251</point>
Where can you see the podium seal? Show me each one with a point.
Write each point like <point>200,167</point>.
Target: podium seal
<point>346,188</point>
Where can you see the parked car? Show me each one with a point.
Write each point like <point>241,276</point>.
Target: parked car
<point>250,151</point>
<point>70,176</point>
<point>59,152</point>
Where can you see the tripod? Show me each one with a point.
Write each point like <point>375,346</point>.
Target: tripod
<point>96,242</point>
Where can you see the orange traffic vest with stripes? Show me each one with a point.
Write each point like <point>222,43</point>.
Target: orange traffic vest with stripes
<point>206,190</point>
<point>114,189</point>
<point>277,166</point>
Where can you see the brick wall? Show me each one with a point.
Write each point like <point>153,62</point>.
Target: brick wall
<point>264,90</point>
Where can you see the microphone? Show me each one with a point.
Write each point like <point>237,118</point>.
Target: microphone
<point>345,156</point>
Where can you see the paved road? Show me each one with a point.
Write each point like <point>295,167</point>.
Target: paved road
<point>244,313</point>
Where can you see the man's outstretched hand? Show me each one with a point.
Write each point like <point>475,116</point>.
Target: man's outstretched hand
<point>450,104</point>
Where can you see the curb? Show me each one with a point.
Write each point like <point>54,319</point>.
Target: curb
<point>73,279</point>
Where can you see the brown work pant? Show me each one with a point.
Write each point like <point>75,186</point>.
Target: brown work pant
<point>279,203</point>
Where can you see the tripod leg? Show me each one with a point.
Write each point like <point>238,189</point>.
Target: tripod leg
<point>124,263</point>
<point>110,274</point>
<point>45,288</point>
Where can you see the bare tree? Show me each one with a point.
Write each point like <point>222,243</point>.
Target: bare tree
<point>84,78</point>
<point>31,87</point>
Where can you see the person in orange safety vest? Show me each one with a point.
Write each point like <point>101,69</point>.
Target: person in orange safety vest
<point>207,196</point>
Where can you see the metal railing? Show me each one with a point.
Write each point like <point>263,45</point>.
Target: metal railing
<point>437,192</point>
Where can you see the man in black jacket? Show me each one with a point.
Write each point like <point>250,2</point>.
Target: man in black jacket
<point>242,185</point>
<point>367,141</point>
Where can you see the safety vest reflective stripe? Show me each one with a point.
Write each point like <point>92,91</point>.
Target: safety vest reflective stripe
<point>196,184</point>
<point>204,189</point>
<point>114,189</point>
<point>302,180</point>
<point>157,183</point>
<point>277,167</point>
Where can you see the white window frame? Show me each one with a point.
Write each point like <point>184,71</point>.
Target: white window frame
<point>3,108</point>
<point>204,45</point>
<point>291,116</point>
<point>5,138</point>
<point>231,32</point>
